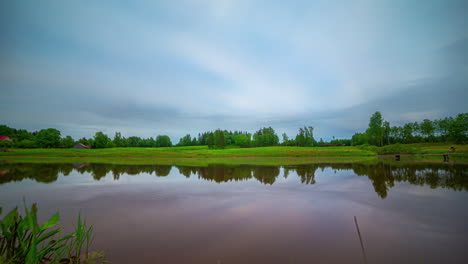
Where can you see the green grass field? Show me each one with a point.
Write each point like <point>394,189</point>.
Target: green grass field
<point>191,152</point>
<point>199,155</point>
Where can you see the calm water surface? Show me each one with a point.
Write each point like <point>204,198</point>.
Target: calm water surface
<point>256,214</point>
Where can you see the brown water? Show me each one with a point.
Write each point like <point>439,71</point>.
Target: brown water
<point>407,213</point>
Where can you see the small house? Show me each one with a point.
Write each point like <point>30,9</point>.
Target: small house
<point>80,165</point>
<point>7,138</point>
<point>81,146</point>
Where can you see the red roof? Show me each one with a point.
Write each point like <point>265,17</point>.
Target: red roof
<point>5,138</point>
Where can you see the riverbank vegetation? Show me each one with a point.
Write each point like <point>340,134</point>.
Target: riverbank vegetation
<point>24,240</point>
<point>202,155</point>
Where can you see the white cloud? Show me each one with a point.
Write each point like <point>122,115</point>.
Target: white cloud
<point>251,86</point>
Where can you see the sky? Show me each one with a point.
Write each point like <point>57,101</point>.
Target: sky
<point>147,68</point>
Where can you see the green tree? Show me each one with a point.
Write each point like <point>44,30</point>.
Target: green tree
<point>375,131</point>
<point>242,139</point>
<point>396,134</point>
<point>442,127</point>
<point>408,133</point>
<point>309,137</point>
<point>133,142</point>
<point>359,139</point>
<point>101,140</point>
<point>194,142</point>
<point>386,132</point>
<point>163,141</point>
<point>341,141</point>
<point>26,143</point>
<point>305,138</point>
<point>210,139</point>
<point>6,131</point>
<point>427,129</point>
<point>416,132</point>
<point>119,141</point>
<point>458,129</point>
<point>219,139</point>
<point>22,134</point>
<point>285,139</point>
<point>265,137</point>
<point>6,144</point>
<point>48,138</point>
<point>185,141</point>
<point>67,142</point>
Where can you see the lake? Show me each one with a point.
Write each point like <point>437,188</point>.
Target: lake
<point>406,213</point>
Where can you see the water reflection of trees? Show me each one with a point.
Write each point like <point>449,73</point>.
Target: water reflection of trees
<point>45,173</point>
<point>382,175</point>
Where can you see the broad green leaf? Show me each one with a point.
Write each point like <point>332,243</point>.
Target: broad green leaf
<point>26,243</point>
<point>66,237</point>
<point>47,235</point>
<point>51,222</point>
<point>34,223</point>
<point>31,257</point>
<point>24,225</point>
<point>10,218</point>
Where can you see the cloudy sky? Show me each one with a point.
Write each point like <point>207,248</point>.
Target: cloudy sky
<point>174,67</point>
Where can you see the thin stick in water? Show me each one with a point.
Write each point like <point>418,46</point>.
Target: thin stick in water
<point>360,240</point>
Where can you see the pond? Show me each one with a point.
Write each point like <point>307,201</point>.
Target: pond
<point>406,213</point>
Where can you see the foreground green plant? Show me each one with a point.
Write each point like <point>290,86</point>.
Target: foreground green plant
<point>23,240</point>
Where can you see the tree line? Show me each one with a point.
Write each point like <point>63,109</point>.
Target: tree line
<point>218,139</point>
<point>380,133</point>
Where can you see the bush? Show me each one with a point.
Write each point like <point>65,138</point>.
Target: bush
<point>391,149</point>
<point>6,144</point>
<point>398,149</point>
<point>26,143</point>
<point>368,147</point>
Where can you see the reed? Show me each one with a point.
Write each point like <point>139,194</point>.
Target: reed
<point>24,240</point>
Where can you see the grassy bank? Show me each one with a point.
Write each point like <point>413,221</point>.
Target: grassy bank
<point>417,149</point>
<point>202,155</point>
<point>199,155</point>
<point>192,152</point>
<point>274,161</point>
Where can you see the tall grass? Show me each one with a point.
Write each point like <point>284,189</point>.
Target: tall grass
<point>419,148</point>
<point>24,240</point>
<point>392,149</point>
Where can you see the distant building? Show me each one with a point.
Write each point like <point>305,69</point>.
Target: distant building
<point>80,165</point>
<point>81,146</point>
<point>7,138</point>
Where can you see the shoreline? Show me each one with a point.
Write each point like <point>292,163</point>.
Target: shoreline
<point>202,155</point>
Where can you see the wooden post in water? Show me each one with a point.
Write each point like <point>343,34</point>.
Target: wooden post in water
<point>360,240</point>
<point>446,158</point>
<point>397,157</point>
